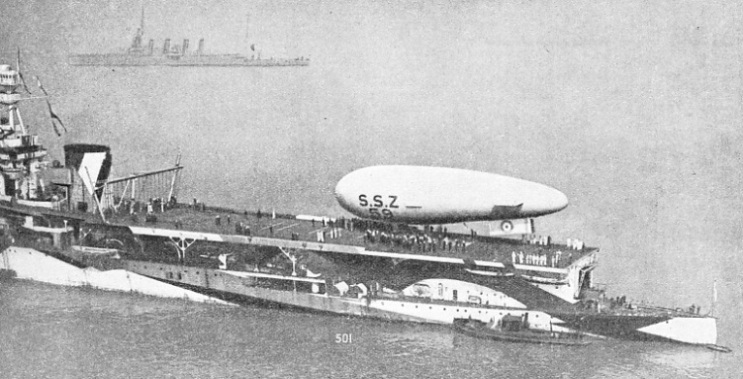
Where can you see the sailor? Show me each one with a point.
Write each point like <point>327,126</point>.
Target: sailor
<point>217,220</point>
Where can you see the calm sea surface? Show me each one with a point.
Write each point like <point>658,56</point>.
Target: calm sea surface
<point>48,331</point>
<point>632,109</point>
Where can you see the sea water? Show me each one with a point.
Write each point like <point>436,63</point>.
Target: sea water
<point>57,332</point>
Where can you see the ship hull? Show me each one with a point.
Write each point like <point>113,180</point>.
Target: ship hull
<point>31,264</point>
<point>227,287</point>
<point>223,60</point>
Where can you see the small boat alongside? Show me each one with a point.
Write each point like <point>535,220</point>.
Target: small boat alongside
<point>516,329</point>
<point>720,348</point>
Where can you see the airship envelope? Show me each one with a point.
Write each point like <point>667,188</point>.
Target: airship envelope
<point>437,195</point>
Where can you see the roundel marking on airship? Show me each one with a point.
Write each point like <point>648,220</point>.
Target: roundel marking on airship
<point>506,226</point>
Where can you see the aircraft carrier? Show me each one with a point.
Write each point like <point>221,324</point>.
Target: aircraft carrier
<point>71,224</point>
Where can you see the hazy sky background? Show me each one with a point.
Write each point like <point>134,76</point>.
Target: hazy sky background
<point>632,109</point>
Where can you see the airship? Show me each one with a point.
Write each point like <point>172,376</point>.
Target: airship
<point>440,195</point>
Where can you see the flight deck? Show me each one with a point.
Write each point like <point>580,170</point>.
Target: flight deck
<point>349,236</point>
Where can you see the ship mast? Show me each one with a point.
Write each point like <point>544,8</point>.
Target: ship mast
<point>137,42</point>
<point>247,32</point>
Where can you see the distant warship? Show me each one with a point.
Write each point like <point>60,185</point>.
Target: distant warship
<point>177,55</point>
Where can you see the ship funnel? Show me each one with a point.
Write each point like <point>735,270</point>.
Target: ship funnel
<point>185,47</point>
<point>166,46</point>
<point>201,47</point>
<point>92,163</point>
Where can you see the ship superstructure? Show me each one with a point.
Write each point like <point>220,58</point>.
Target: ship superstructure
<point>22,158</point>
